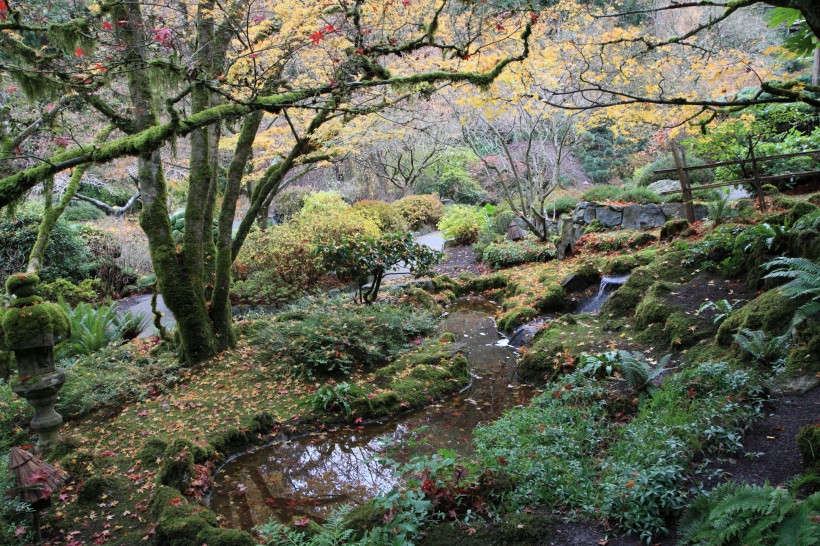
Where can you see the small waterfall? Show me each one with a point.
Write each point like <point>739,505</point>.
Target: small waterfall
<point>608,285</point>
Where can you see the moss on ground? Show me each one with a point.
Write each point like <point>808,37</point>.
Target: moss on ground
<point>516,317</point>
<point>516,529</point>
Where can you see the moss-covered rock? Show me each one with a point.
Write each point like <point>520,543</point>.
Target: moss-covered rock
<point>443,282</point>
<point>802,359</point>
<point>672,228</point>
<point>515,529</point>
<point>516,317</point>
<point>422,299</point>
<point>96,488</point>
<point>620,265</point>
<point>216,536</point>
<point>552,299</point>
<point>770,312</point>
<point>470,283</point>
<point>177,465</point>
<point>663,323</point>
<point>151,453</point>
<point>808,442</point>
<point>582,277</point>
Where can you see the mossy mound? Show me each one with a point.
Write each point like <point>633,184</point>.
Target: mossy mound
<point>180,523</point>
<point>552,299</point>
<point>469,283</point>
<point>795,208</point>
<point>436,370</point>
<point>802,359</point>
<point>620,265</point>
<point>516,317</point>
<point>422,299</point>
<point>662,322</point>
<point>770,312</point>
<point>673,228</point>
<point>666,267</point>
<point>96,488</point>
<point>177,466</point>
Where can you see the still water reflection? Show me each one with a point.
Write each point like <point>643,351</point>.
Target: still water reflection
<point>312,475</point>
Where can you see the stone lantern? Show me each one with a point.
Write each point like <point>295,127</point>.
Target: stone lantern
<point>31,328</point>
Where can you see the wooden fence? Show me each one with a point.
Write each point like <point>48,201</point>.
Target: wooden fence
<point>756,180</point>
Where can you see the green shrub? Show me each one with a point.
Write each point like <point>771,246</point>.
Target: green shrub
<point>364,259</point>
<point>420,210</point>
<point>463,224</point>
<point>67,255</point>
<point>384,215</point>
<point>323,202</point>
<point>500,223</point>
<point>264,287</point>
<point>86,291</point>
<point>509,253</point>
<point>603,192</point>
<point>335,337</point>
<point>750,514</point>
<point>638,195</point>
<point>287,251</point>
<point>646,176</point>
<point>563,205</point>
<point>450,178</point>
<point>82,211</point>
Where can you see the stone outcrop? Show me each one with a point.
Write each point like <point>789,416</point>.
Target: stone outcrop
<point>631,216</point>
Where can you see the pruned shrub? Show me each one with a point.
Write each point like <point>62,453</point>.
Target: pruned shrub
<point>509,253</point>
<point>420,210</point>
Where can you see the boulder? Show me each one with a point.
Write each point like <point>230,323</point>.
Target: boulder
<point>651,216</point>
<point>631,217</point>
<point>575,283</point>
<point>590,213</point>
<point>580,211</point>
<point>664,186</point>
<point>608,217</point>
<point>673,210</point>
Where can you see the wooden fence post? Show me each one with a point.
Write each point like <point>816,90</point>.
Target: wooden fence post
<point>685,186</point>
<point>761,199</point>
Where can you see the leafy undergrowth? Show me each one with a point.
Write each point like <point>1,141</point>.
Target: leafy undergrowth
<point>155,431</point>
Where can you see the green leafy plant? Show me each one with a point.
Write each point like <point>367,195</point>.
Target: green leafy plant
<point>762,349</point>
<point>463,224</point>
<point>368,259</point>
<point>333,397</point>
<point>723,308</point>
<point>750,514</point>
<point>93,328</point>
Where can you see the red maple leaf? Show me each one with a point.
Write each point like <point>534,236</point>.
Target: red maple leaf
<point>79,52</point>
<point>317,37</point>
<point>163,37</point>
<point>3,10</point>
<point>105,26</point>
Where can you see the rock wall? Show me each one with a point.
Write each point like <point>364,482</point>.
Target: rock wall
<point>631,216</point>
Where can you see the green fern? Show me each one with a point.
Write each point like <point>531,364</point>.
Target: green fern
<point>804,284</point>
<point>771,352</point>
<point>750,514</point>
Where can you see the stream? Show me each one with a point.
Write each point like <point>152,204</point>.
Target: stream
<point>309,476</point>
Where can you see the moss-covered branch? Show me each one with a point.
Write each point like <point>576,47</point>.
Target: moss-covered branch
<point>52,214</point>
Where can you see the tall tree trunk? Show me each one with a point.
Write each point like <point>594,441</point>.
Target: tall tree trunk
<point>181,287</point>
<point>815,72</point>
<point>220,299</point>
